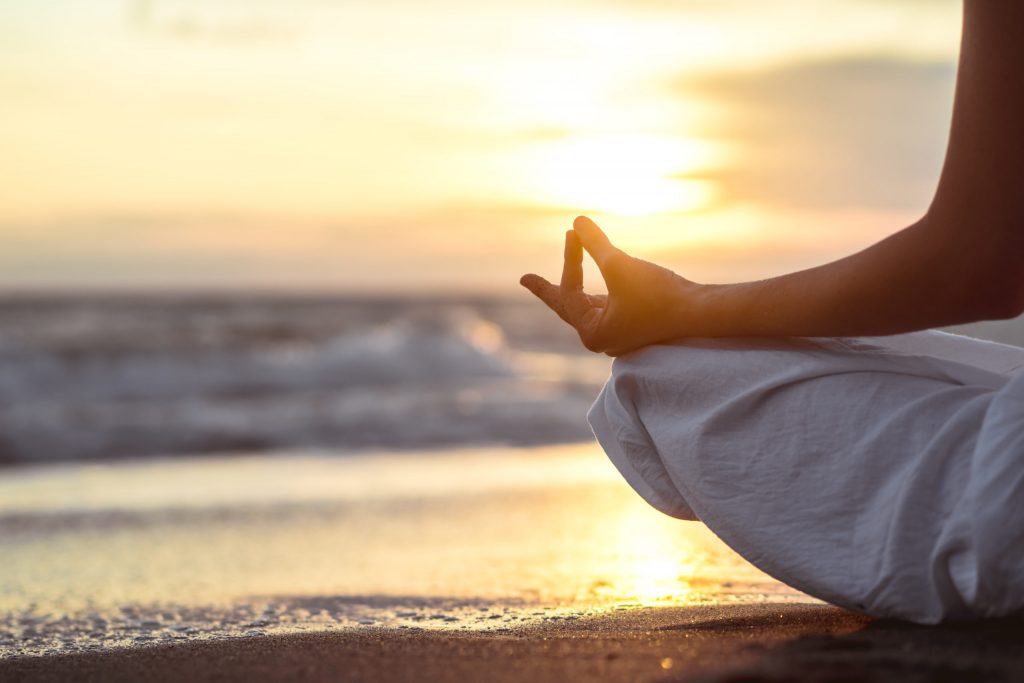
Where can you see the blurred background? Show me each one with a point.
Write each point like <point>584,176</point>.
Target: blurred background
<point>256,225</point>
<point>444,146</point>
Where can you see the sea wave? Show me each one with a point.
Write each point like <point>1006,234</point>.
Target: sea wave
<point>101,379</point>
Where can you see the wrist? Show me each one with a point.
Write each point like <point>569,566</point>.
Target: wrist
<point>693,311</point>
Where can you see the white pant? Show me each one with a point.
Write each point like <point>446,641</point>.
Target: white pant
<point>885,475</point>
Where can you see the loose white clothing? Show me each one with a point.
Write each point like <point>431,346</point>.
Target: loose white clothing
<point>885,474</point>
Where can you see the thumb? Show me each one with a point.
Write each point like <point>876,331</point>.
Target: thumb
<point>594,241</point>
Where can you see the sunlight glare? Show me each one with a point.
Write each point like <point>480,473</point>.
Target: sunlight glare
<point>648,573</point>
<point>629,175</point>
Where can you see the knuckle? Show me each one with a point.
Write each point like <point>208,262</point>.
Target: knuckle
<point>615,260</point>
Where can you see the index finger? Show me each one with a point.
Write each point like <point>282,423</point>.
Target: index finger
<point>572,267</point>
<point>593,240</point>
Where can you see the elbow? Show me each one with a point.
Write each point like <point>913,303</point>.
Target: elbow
<point>1000,295</point>
<point>1005,308</point>
<point>987,265</point>
<point>1009,306</point>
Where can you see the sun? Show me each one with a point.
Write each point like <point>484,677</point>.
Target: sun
<point>627,175</point>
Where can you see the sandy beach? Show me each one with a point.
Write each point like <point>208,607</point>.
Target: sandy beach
<point>696,643</point>
<point>501,564</point>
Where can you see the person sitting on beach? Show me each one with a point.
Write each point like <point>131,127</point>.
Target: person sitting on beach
<point>812,420</point>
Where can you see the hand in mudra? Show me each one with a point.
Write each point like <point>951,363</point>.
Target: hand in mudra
<point>645,303</point>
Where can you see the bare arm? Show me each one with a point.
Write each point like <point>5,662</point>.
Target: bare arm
<point>963,261</point>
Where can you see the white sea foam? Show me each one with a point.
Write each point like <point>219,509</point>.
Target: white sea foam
<point>107,378</point>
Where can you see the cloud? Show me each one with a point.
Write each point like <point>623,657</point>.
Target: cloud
<point>462,246</point>
<point>864,132</point>
<point>237,23</point>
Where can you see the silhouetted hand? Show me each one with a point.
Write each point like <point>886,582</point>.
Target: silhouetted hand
<point>645,304</point>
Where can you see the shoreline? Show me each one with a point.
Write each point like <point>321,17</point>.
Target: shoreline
<point>766,642</point>
<point>630,645</point>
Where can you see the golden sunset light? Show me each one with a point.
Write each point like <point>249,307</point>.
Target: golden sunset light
<point>623,175</point>
<point>174,133</point>
<point>647,574</point>
<point>444,340</point>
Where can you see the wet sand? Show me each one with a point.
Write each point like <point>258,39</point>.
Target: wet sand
<point>110,557</point>
<point>695,643</point>
<point>537,565</point>
<point>626,646</point>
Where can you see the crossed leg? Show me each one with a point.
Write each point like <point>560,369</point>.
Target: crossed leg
<point>880,474</point>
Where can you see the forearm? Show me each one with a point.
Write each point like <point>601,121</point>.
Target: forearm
<point>916,279</point>
<point>962,262</point>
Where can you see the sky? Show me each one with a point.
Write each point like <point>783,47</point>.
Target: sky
<point>446,145</point>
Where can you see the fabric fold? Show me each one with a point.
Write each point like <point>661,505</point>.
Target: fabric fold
<point>878,474</point>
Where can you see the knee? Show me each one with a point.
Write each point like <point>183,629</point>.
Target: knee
<point>702,370</point>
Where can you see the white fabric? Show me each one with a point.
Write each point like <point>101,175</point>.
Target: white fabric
<point>881,474</point>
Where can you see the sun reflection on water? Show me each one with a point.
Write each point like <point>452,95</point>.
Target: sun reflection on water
<point>488,539</point>
<point>647,573</point>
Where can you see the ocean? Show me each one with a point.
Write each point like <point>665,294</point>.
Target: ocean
<point>91,377</point>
